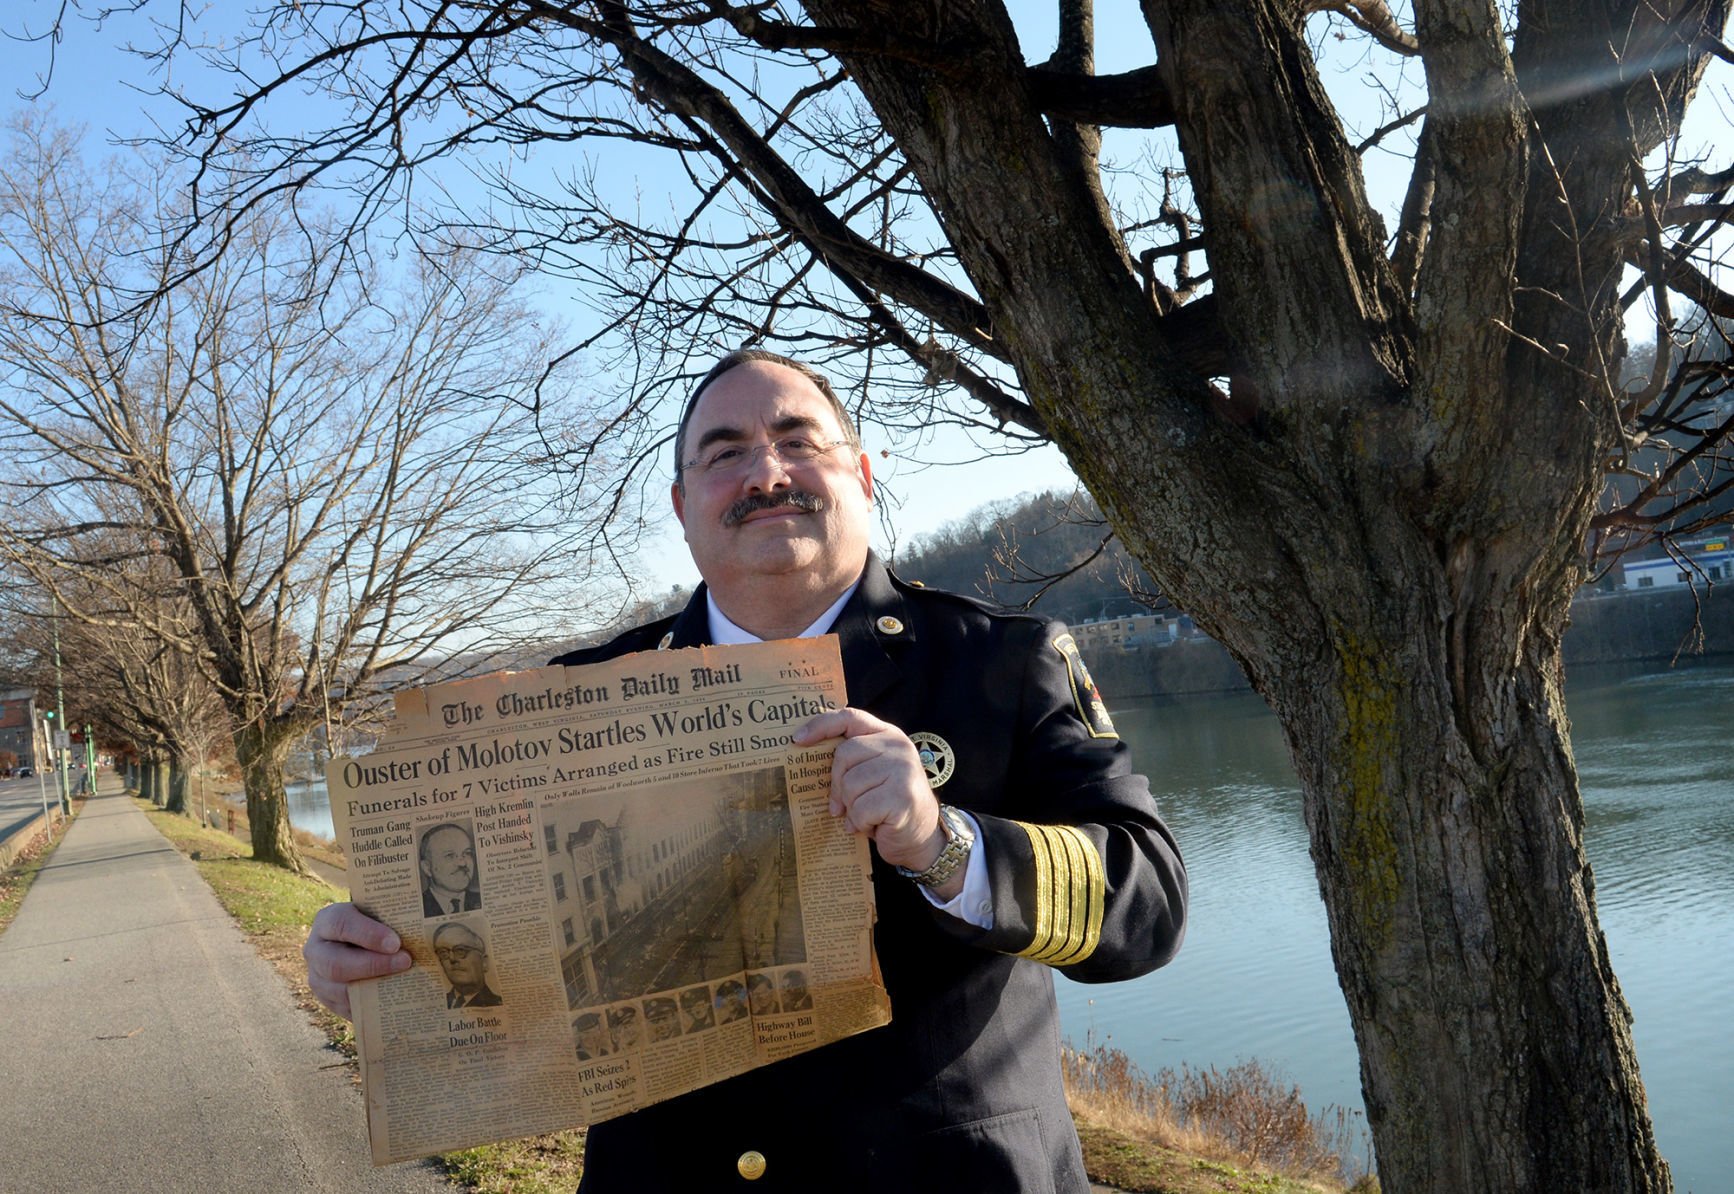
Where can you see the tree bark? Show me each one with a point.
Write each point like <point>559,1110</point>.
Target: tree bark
<point>177,793</point>
<point>261,751</point>
<point>1446,829</point>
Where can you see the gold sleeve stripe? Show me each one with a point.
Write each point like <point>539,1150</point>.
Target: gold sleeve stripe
<point>1070,888</point>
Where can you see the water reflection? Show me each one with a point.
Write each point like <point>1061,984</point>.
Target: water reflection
<point>309,807</point>
<point>1255,979</point>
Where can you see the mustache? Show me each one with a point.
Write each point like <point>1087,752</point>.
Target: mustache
<point>800,499</point>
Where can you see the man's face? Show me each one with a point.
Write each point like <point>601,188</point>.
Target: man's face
<point>627,1029</point>
<point>763,996</point>
<point>593,1036</point>
<point>450,859</point>
<point>696,1005</point>
<point>664,1025</point>
<point>462,958</point>
<point>754,404</point>
<point>731,1001</point>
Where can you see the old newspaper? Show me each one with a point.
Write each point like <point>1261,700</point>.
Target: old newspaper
<point>618,882</point>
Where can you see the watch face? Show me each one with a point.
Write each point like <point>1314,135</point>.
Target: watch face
<point>957,823</point>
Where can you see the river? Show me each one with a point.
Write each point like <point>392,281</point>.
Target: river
<point>1254,979</point>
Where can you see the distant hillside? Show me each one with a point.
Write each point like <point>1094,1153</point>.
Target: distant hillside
<point>1051,552</point>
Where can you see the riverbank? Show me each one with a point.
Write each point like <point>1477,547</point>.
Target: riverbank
<point>1669,626</point>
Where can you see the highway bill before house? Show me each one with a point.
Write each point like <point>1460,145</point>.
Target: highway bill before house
<point>618,882</point>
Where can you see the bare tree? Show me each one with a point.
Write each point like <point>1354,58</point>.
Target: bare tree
<point>1366,460</point>
<point>341,470</point>
<point>135,682</point>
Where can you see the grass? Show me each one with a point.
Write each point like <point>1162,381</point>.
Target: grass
<point>548,1164</point>
<point>1238,1131</point>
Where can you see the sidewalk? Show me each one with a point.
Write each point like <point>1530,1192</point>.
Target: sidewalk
<point>147,1047</point>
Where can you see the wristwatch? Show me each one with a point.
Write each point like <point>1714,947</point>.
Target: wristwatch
<point>959,838</point>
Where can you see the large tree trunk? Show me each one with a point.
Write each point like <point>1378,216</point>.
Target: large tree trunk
<point>177,791</point>
<point>261,750</point>
<point>1446,829</point>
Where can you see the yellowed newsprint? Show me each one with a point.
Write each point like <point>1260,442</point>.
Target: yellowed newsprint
<point>618,882</point>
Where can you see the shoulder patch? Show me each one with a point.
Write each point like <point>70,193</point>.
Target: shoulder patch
<point>1086,697</point>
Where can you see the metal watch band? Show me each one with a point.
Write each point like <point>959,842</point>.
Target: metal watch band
<point>957,846</point>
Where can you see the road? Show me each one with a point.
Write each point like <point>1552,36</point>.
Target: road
<point>21,799</point>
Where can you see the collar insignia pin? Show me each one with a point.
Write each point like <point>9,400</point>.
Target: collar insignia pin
<point>890,625</point>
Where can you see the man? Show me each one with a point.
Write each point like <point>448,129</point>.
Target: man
<point>762,993</point>
<point>731,1001</point>
<point>1009,835</point>
<point>625,1028</point>
<point>464,957</point>
<point>448,866</point>
<point>662,1017</point>
<point>591,1036</point>
<point>696,1010</point>
<point>795,996</point>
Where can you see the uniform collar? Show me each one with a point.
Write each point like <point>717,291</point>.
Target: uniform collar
<point>873,624</point>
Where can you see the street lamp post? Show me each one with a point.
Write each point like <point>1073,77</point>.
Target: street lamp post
<point>61,753</point>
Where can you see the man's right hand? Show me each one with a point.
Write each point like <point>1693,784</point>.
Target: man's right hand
<point>343,945</point>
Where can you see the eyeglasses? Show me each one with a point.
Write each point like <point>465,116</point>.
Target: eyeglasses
<point>728,460</point>
<point>456,953</point>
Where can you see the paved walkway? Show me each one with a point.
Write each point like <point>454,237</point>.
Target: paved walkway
<point>145,1046</point>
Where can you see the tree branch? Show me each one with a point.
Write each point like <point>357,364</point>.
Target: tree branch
<point>1136,99</point>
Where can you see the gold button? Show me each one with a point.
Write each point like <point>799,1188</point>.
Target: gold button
<point>890,625</point>
<point>666,639</point>
<point>751,1165</point>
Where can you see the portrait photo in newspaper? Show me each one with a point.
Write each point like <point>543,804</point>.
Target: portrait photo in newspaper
<point>447,857</point>
<point>461,947</point>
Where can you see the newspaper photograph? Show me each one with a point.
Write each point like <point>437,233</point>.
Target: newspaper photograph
<point>618,882</point>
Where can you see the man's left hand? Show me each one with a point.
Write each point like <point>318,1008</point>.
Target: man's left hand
<point>880,789</point>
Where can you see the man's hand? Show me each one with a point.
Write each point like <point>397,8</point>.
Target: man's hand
<point>343,945</point>
<point>879,788</point>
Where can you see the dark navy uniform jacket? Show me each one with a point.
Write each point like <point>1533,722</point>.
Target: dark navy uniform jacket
<point>961,1092</point>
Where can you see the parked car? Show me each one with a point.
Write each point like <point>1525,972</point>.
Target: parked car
<point>26,772</point>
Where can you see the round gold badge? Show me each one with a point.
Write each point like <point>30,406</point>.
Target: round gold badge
<point>890,625</point>
<point>751,1165</point>
<point>937,757</point>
